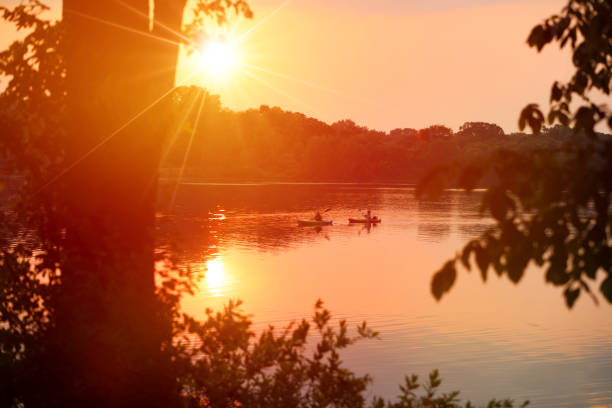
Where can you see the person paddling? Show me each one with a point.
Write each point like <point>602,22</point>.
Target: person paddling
<point>318,216</point>
<point>368,216</point>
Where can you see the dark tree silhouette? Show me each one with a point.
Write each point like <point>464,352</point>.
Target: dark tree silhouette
<point>85,93</point>
<point>113,78</point>
<point>82,322</point>
<point>480,131</point>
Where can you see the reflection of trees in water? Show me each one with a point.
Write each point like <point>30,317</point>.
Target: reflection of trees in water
<point>187,238</point>
<point>193,198</point>
<point>469,231</point>
<point>264,216</point>
<point>260,216</point>
<point>196,239</point>
<point>471,222</point>
<point>468,205</point>
<point>437,217</point>
<point>443,207</point>
<point>433,232</point>
<point>192,240</point>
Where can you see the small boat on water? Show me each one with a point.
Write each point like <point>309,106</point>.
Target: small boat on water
<point>373,220</point>
<point>314,223</point>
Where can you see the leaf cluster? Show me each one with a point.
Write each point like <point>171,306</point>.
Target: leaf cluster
<point>218,11</point>
<point>33,103</point>
<point>430,398</point>
<point>227,364</point>
<point>550,208</point>
<point>231,365</point>
<point>218,362</point>
<point>586,27</point>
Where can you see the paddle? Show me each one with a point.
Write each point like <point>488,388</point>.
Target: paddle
<point>322,212</point>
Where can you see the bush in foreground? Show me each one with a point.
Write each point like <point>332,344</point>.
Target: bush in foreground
<point>227,365</point>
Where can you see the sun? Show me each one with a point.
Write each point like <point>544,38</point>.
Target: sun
<point>218,58</point>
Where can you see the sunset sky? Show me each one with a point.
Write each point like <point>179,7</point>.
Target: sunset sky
<point>389,63</point>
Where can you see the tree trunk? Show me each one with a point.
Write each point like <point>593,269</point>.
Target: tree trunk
<point>112,328</point>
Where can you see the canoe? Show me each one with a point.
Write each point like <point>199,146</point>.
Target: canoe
<point>373,220</point>
<point>314,223</point>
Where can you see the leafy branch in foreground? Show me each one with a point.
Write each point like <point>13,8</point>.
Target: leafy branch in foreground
<point>586,26</point>
<point>409,399</point>
<point>550,206</point>
<point>227,364</point>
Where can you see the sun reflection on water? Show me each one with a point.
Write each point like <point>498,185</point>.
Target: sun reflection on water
<point>215,276</point>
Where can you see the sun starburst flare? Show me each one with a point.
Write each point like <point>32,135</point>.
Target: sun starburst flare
<point>218,63</point>
<point>218,58</point>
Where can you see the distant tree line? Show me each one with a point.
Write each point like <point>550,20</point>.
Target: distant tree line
<point>272,144</point>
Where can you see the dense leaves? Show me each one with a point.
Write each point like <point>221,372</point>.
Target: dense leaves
<point>218,362</point>
<point>551,209</point>
<point>33,103</point>
<point>232,365</point>
<point>219,11</point>
<point>586,27</point>
<point>31,111</point>
<point>551,205</point>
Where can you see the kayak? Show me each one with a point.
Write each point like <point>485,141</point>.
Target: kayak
<point>373,220</point>
<point>314,223</point>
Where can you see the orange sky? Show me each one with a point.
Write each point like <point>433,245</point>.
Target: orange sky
<point>388,64</point>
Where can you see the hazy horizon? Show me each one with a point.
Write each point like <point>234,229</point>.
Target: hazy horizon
<point>391,66</point>
<point>424,63</point>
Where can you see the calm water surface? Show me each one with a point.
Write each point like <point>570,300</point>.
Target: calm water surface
<point>493,339</point>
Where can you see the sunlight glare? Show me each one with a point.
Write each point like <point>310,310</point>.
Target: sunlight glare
<point>215,276</point>
<point>218,58</point>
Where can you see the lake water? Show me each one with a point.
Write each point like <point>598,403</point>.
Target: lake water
<point>492,339</point>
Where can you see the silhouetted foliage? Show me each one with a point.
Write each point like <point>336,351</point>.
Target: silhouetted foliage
<point>551,204</point>
<point>228,364</point>
<point>586,26</point>
<point>31,114</point>
<point>271,144</point>
<point>59,261</point>
<point>78,306</point>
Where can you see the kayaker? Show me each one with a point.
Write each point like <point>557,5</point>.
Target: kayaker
<point>318,216</point>
<point>368,216</point>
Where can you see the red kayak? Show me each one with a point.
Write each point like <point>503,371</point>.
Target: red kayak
<point>314,223</point>
<point>373,220</point>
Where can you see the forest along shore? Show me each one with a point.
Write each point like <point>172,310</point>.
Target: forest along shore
<point>270,144</point>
